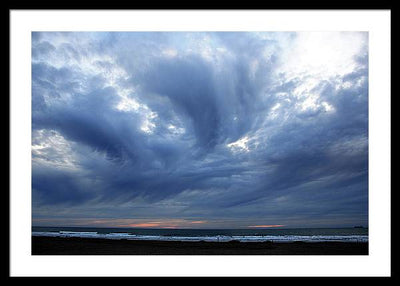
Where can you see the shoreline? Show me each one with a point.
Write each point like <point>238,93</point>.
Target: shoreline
<point>42,245</point>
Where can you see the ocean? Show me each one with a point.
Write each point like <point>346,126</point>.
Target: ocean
<point>215,235</point>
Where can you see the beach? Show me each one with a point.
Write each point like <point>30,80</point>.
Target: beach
<point>97,246</point>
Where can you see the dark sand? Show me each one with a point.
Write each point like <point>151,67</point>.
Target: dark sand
<point>96,246</point>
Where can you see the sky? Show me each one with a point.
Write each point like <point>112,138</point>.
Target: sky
<point>200,129</point>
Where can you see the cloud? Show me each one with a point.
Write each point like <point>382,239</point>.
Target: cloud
<point>251,128</point>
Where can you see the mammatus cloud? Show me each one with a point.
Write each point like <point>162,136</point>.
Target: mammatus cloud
<point>174,129</point>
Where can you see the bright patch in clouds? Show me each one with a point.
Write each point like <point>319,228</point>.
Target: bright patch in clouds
<point>239,145</point>
<point>323,54</point>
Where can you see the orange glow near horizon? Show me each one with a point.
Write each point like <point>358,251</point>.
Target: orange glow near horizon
<point>266,226</point>
<point>157,223</point>
<point>163,224</point>
<point>142,225</point>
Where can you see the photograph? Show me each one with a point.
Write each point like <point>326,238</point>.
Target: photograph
<point>200,142</point>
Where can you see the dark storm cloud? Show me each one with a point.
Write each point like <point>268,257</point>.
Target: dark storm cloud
<point>198,125</point>
<point>53,186</point>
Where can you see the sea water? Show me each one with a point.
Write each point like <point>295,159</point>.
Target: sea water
<point>212,235</point>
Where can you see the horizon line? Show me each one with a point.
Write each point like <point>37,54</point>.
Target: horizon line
<point>205,228</point>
